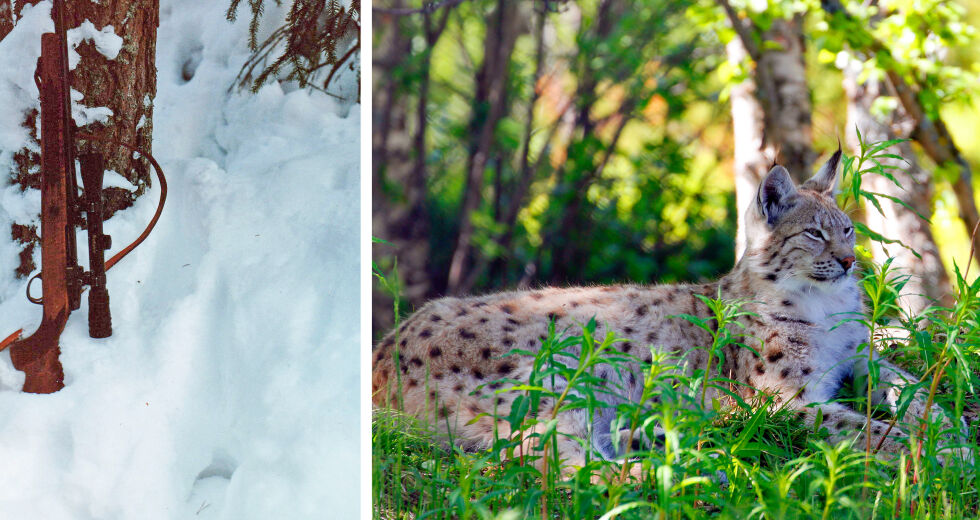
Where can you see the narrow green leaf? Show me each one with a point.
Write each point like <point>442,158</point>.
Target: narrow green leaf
<point>882,145</point>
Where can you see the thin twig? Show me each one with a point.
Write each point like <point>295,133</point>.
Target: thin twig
<point>428,8</point>
<point>973,247</point>
<point>743,33</point>
<point>340,63</point>
<point>625,118</point>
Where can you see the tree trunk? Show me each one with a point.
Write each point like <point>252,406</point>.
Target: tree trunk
<point>6,18</point>
<point>752,156</point>
<point>568,239</point>
<point>771,110</point>
<point>525,172</point>
<point>126,85</point>
<point>399,215</point>
<point>489,106</point>
<point>937,143</point>
<point>929,281</point>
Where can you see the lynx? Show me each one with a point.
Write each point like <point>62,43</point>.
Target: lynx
<point>796,276</point>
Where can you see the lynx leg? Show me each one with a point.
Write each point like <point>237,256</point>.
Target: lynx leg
<point>846,423</point>
<point>571,429</point>
<point>892,380</point>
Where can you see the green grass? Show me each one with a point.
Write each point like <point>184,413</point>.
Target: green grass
<point>718,458</point>
<point>730,459</point>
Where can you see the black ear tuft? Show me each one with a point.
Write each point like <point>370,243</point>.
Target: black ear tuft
<point>825,180</point>
<point>776,194</point>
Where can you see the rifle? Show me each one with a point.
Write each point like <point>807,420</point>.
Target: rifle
<point>61,212</point>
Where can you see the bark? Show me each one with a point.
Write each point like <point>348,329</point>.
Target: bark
<point>570,251</point>
<point>929,281</point>
<point>27,173</point>
<point>6,18</point>
<point>489,106</point>
<point>399,215</point>
<point>126,85</point>
<point>19,6</point>
<point>752,156</point>
<point>771,110</point>
<point>938,144</point>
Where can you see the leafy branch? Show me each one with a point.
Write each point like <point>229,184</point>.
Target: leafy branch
<point>868,161</point>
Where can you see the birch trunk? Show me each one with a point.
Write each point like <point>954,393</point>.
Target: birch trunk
<point>929,281</point>
<point>771,112</point>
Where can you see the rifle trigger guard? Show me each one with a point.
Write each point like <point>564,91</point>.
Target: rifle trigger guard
<point>38,301</point>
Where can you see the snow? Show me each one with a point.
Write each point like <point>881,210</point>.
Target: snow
<point>107,43</point>
<point>229,388</point>
<point>84,115</point>
<point>112,179</point>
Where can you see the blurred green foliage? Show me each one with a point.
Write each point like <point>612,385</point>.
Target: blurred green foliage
<point>622,184</point>
<point>613,144</point>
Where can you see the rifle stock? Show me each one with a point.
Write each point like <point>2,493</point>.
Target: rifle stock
<point>37,355</point>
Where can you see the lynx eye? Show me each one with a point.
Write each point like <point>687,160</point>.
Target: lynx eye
<point>848,231</point>
<point>814,233</point>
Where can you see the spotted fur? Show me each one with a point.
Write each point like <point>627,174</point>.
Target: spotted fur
<point>796,275</point>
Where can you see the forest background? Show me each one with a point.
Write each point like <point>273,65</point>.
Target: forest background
<point>528,143</point>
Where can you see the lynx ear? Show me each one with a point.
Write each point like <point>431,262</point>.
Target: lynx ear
<point>776,194</point>
<point>825,181</point>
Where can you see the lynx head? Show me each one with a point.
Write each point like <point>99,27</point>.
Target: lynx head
<point>797,236</point>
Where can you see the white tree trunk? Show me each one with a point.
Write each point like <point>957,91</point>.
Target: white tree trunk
<point>770,114</point>
<point>929,281</point>
<point>751,155</point>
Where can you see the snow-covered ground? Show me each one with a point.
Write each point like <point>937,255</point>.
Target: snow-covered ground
<point>229,388</point>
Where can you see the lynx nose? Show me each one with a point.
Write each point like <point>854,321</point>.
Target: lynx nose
<point>846,262</point>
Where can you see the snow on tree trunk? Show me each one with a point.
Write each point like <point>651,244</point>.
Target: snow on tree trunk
<point>126,84</point>
<point>771,113</point>
<point>929,281</point>
<point>112,49</point>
